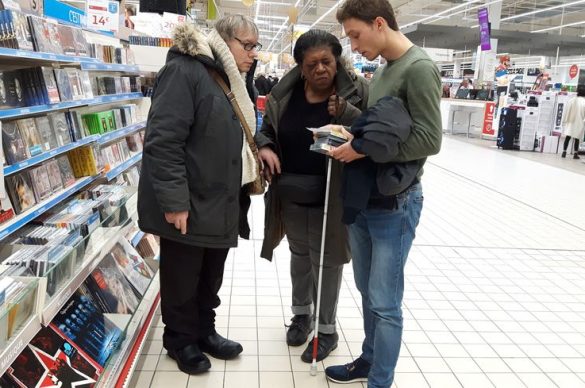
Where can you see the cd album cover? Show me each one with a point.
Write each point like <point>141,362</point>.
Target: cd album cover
<point>80,42</point>
<point>30,135</point>
<point>11,90</point>
<point>20,192</point>
<point>67,39</point>
<point>40,181</point>
<point>15,149</point>
<point>50,360</point>
<point>50,85</point>
<point>54,175</point>
<point>66,171</point>
<point>111,288</point>
<point>40,33</point>
<point>48,138</point>
<point>21,30</point>
<point>83,322</point>
<point>60,129</point>
<point>64,84</point>
<point>132,265</point>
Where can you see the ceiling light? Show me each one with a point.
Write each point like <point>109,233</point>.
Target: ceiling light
<point>280,29</point>
<point>440,13</point>
<point>542,10</point>
<point>257,9</point>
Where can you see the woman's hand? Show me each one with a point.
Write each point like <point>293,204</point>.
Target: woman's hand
<point>178,219</point>
<point>269,159</point>
<point>336,105</point>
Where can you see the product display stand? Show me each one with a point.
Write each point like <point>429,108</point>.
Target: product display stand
<point>89,114</point>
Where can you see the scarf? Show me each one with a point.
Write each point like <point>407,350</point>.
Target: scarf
<point>222,53</point>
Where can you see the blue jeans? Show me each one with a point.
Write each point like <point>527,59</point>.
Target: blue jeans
<point>380,241</point>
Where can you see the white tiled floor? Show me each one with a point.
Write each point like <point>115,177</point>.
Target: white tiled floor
<point>495,293</point>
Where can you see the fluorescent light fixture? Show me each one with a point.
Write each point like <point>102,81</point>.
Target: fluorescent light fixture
<point>257,9</point>
<point>542,10</point>
<point>273,17</point>
<point>438,16</point>
<point>281,28</point>
<point>561,26</point>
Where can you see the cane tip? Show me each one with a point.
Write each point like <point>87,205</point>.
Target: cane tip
<point>314,369</point>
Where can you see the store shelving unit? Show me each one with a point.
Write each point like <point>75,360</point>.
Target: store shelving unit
<point>27,216</point>
<point>102,239</point>
<point>113,173</point>
<point>14,168</point>
<point>120,133</point>
<point>38,109</point>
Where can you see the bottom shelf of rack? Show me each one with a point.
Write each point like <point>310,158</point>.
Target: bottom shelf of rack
<point>122,364</point>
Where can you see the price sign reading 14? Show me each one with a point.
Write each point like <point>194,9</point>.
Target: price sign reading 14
<point>103,15</point>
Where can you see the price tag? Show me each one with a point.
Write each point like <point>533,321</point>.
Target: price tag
<point>103,15</point>
<point>169,22</point>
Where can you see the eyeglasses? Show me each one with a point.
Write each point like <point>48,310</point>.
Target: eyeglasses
<point>250,46</point>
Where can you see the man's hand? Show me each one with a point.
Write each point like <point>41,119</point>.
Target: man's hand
<point>336,105</point>
<point>345,153</point>
<point>269,159</point>
<point>179,219</point>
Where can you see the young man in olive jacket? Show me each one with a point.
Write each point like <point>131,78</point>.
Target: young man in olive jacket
<point>382,234</point>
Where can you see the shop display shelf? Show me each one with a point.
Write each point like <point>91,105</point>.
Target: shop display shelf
<point>114,172</point>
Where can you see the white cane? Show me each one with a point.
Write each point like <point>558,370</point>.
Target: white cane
<point>321,257</point>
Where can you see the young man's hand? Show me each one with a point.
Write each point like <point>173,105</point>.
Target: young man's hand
<point>179,219</point>
<point>345,153</point>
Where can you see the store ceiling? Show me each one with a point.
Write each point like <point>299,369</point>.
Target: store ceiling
<point>517,15</point>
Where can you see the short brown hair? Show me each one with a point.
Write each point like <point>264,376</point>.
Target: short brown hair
<point>367,11</point>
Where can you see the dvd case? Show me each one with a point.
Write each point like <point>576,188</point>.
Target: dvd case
<point>54,175</point>
<point>39,177</point>
<point>111,288</point>
<point>67,176</point>
<point>15,148</point>
<point>60,128</point>
<point>64,84</point>
<point>30,135</point>
<point>49,85</point>
<point>133,266</point>
<point>83,322</point>
<point>48,138</point>
<point>20,192</point>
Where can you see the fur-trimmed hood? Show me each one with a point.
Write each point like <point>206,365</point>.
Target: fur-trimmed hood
<point>190,40</point>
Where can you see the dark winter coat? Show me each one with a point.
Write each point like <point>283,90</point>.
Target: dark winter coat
<point>192,153</point>
<point>355,91</point>
<point>378,134</point>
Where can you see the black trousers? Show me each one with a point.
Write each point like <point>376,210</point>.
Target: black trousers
<point>190,278</point>
<point>566,145</point>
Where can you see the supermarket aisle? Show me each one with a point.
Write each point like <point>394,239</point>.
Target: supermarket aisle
<point>494,294</point>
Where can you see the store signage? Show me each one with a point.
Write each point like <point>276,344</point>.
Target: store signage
<point>488,119</point>
<point>103,15</point>
<point>484,29</point>
<point>573,71</point>
<point>64,12</point>
<point>169,22</point>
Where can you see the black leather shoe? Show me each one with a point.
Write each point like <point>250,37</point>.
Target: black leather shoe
<point>219,347</point>
<point>327,344</point>
<point>190,360</point>
<point>299,330</point>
